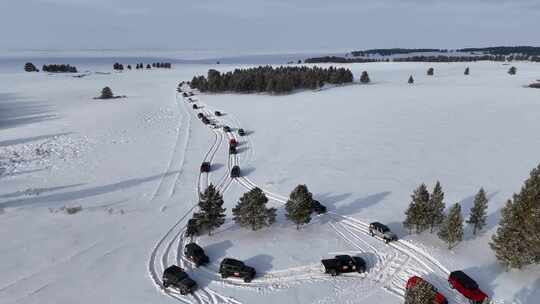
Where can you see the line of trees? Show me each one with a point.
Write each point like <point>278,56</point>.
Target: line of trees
<point>517,240</point>
<point>159,65</point>
<point>336,59</point>
<point>270,79</point>
<point>427,212</point>
<point>59,68</point>
<point>251,211</point>
<point>30,67</point>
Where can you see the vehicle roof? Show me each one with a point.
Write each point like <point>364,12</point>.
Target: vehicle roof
<point>193,247</point>
<point>175,271</point>
<point>343,257</point>
<point>464,279</point>
<point>230,261</point>
<point>377,224</point>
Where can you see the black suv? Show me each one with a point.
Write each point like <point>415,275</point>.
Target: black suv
<point>317,207</point>
<point>192,228</point>
<point>232,150</point>
<point>195,107</point>
<point>235,172</point>
<point>200,115</point>
<point>195,253</point>
<point>205,167</point>
<point>226,128</point>
<point>231,267</point>
<point>177,277</point>
<point>241,132</point>
<point>342,264</point>
<point>217,113</point>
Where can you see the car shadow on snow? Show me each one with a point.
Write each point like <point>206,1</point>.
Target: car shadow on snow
<point>247,171</point>
<point>216,166</point>
<point>262,263</point>
<point>485,276</point>
<point>217,251</point>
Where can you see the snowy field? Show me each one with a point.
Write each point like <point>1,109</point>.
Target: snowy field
<point>133,166</point>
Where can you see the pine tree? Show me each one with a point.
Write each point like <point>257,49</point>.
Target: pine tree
<point>517,240</point>
<point>436,207</point>
<point>451,230</point>
<point>411,80</point>
<point>30,67</point>
<point>421,293</point>
<point>417,213</point>
<point>478,214</point>
<point>298,206</point>
<point>106,93</point>
<point>251,210</point>
<point>467,71</point>
<point>431,72</point>
<point>512,70</point>
<point>211,213</point>
<point>364,78</point>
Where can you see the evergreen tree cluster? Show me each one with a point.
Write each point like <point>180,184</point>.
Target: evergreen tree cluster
<point>449,58</point>
<point>336,59</point>
<point>394,51</point>
<point>106,93</point>
<point>30,67</point>
<point>118,66</point>
<point>431,72</point>
<point>421,293</point>
<point>59,68</point>
<point>512,70</point>
<point>427,211</point>
<point>270,79</point>
<point>364,78</point>
<point>211,214</point>
<point>299,206</point>
<point>517,240</point>
<point>251,210</point>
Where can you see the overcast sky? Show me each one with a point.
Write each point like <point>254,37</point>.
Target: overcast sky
<point>266,25</point>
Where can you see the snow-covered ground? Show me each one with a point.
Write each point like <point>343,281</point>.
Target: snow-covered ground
<point>133,166</point>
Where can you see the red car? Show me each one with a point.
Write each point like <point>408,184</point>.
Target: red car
<point>467,287</point>
<point>233,142</point>
<point>439,298</point>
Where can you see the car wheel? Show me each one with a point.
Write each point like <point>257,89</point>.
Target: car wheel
<point>183,292</point>
<point>247,280</point>
<point>333,272</point>
<point>165,285</point>
<point>372,234</point>
<point>223,276</point>
<point>361,270</point>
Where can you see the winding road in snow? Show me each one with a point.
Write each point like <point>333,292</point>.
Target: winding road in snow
<point>390,265</point>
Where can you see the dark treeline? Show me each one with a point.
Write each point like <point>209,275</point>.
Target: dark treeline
<point>269,79</point>
<point>335,59</point>
<point>423,58</point>
<point>159,65</point>
<point>506,50</point>
<point>59,68</point>
<point>396,51</point>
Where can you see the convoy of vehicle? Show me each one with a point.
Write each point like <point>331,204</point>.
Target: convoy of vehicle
<point>235,268</point>
<point>178,278</point>
<point>380,230</point>
<point>439,297</point>
<point>466,286</point>
<point>229,267</point>
<point>343,264</point>
<point>205,167</point>
<point>195,254</point>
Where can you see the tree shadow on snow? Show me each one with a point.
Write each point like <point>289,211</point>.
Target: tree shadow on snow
<point>492,220</point>
<point>247,171</point>
<point>19,141</point>
<point>528,294</point>
<point>16,111</point>
<point>58,198</point>
<point>37,191</point>
<point>217,251</point>
<point>485,276</point>
<point>333,203</point>
<point>216,166</point>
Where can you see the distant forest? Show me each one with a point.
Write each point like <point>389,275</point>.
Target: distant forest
<point>335,59</point>
<point>270,79</point>
<point>59,68</point>
<point>396,51</point>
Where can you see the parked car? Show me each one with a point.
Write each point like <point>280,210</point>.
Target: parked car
<point>467,287</point>
<point>205,167</point>
<point>195,107</point>
<point>232,150</point>
<point>195,254</point>
<point>177,277</point>
<point>185,94</point>
<point>217,113</point>
<point>235,172</point>
<point>380,230</point>
<point>200,115</point>
<point>317,207</point>
<point>342,264</point>
<point>235,268</point>
<point>226,128</point>
<point>205,120</point>
<point>241,132</point>
<point>233,142</point>
<point>192,228</point>
<point>439,297</point>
